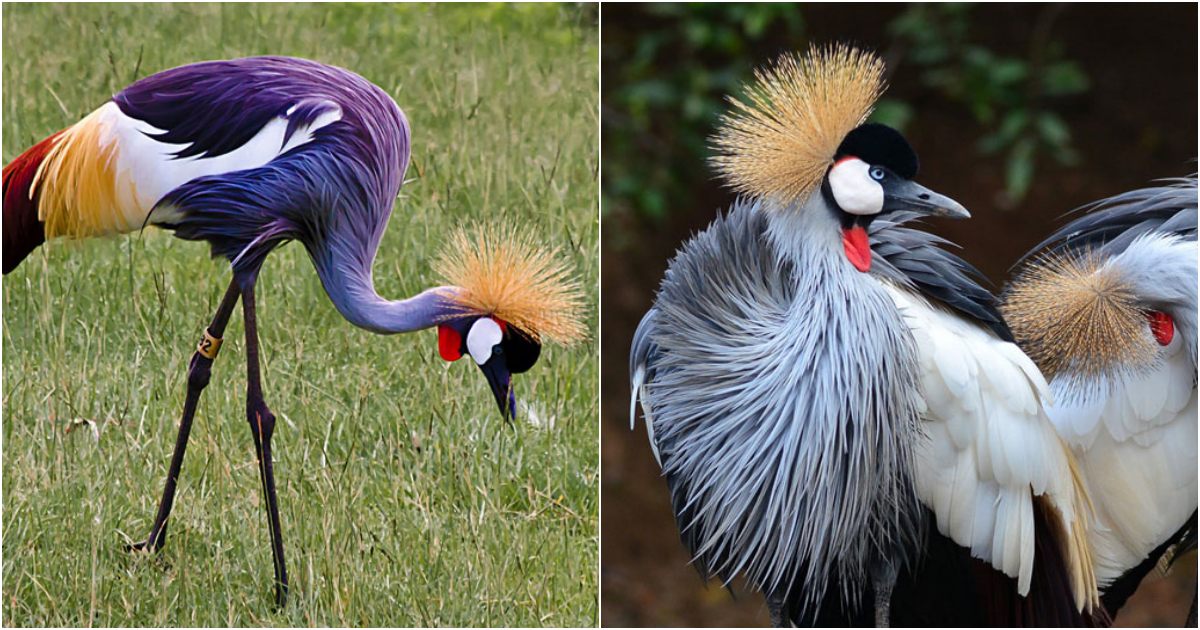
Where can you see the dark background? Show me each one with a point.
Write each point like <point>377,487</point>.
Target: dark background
<point>1120,80</point>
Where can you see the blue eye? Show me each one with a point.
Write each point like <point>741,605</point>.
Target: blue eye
<point>877,173</point>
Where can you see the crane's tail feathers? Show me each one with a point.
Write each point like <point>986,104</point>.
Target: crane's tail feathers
<point>1052,599</point>
<point>505,273</point>
<point>23,230</point>
<point>80,193</point>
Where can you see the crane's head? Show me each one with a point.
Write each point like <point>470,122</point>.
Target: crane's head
<point>1112,295</point>
<point>498,348</point>
<point>872,174</point>
<point>1086,315</point>
<point>507,296</point>
<point>802,132</point>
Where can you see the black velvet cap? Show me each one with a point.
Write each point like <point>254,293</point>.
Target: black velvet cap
<point>879,144</point>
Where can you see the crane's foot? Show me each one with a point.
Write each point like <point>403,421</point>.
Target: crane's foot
<point>152,544</point>
<point>281,595</point>
<point>145,546</point>
<point>146,551</point>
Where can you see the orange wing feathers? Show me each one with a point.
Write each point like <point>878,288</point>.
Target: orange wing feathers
<point>77,183</point>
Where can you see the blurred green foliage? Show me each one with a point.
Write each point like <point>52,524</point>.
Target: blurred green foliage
<point>667,84</point>
<point>1010,97</point>
<point>668,68</point>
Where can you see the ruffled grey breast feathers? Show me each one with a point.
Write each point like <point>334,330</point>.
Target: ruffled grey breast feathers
<point>782,394</point>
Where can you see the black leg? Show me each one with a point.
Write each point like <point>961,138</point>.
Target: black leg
<point>883,581</point>
<point>262,425</point>
<point>775,608</point>
<point>198,375</point>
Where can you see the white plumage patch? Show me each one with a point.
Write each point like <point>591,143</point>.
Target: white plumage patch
<point>146,169</point>
<point>855,191</point>
<point>485,333</point>
<point>1135,436</point>
<point>991,447</point>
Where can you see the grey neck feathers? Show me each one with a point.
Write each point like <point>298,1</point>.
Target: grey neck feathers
<point>784,405</point>
<point>808,233</point>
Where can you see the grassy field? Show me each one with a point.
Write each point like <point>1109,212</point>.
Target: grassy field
<point>405,499</point>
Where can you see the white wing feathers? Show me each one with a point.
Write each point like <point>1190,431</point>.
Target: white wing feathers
<point>1135,405</point>
<point>1134,435</point>
<point>146,169</point>
<point>991,447</point>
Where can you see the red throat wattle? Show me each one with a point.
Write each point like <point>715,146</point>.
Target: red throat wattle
<point>858,250</point>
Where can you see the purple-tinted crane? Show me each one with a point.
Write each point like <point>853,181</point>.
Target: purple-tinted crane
<point>247,155</point>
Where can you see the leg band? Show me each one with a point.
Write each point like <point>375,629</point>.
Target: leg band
<point>209,345</point>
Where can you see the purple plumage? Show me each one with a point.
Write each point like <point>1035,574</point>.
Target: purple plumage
<point>246,155</point>
<point>334,192</point>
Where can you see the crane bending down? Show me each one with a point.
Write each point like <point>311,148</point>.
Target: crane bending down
<point>1107,308</point>
<point>836,404</point>
<point>248,154</point>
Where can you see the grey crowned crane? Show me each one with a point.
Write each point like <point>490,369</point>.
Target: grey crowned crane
<point>837,405</point>
<point>1107,309</point>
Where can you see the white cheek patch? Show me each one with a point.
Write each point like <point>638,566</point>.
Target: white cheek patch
<point>485,333</point>
<point>853,188</point>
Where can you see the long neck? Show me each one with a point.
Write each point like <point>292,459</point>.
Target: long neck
<point>352,290</point>
<point>809,233</point>
<point>863,351</point>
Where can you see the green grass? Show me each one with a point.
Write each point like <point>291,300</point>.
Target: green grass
<point>405,499</point>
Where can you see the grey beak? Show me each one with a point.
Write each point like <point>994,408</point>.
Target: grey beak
<point>911,196</point>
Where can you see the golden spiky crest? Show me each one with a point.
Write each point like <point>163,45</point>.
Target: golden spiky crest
<point>1072,312</point>
<point>503,272</point>
<point>782,140</point>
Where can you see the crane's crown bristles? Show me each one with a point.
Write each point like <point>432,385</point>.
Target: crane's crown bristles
<point>782,139</point>
<point>1072,313</point>
<point>503,272</point>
